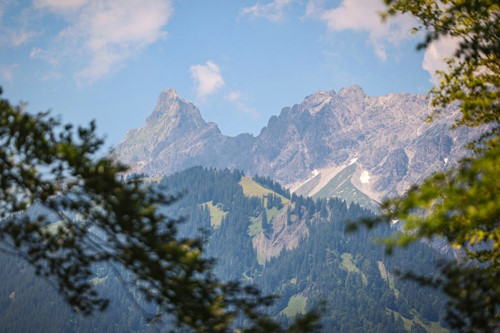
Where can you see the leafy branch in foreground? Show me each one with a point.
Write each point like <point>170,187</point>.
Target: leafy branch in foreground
<point>104,220</point>
<point>462,204</point>
<point>472,77</point>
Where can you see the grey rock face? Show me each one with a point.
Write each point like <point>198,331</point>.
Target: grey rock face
<point>174,137</point>
<point>386,137</point>
<point>392,170</point>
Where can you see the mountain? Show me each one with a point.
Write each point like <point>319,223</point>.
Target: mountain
<point>346,144</point>
<point>291,246</point>
<point>174,134</point>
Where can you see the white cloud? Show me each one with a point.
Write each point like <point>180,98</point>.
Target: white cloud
<point>364,16</point>
<point>207,79</point>
<point>313,8</point>
<point>235,97</point>
<point>3,6</point>
<point>14,34</point>
<point>435,54</point>
<point>50,76</point>
<point>15,37</point>
<point>38,53</point>
<point>114,30</point>
<point>272,11</point>
<point>50,73</point>
<point>21,37</point>
<point>7,72</point>
<point>103,34</point>
<point>60,5</point>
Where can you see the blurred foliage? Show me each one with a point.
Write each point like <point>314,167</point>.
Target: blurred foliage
<point>462,204</point>
<point>472,77</point>
<point>105,220</point>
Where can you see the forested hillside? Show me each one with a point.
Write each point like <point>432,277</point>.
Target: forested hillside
<point>292,246</point>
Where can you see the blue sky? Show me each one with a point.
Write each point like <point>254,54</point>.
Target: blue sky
<point>240,62</point>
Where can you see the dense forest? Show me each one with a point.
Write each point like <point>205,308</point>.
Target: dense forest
<point>241,219</point>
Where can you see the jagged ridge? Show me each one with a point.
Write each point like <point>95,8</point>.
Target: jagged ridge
<point>386,138</point>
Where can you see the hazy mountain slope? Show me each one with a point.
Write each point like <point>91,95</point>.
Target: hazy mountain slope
<point>386,138</point>
<point>293,247</point>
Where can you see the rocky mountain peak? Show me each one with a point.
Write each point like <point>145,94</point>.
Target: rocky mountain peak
<point>172,110</point>
<point>169,93</point>
<point>318,100</point>
<point>354,92</point>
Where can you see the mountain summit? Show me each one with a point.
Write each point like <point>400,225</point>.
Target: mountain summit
<point>171,111</point>
<point>174,134</point>
<point>345,144</point>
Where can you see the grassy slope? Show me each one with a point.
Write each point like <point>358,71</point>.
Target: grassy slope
<point>392,285</point>
<point>253,189</point>
<point>255,227</point>
<point>386,276</point>
<point>348,265</point>
<point>432,327</point>
<point>156,179</point>
<point>216,214</point>
<point>340,186</point>
<point>296,304</point>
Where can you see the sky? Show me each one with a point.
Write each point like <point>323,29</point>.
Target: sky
<point>239,62</point>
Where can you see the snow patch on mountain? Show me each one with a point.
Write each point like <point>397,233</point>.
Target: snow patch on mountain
<point>365,177</point>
